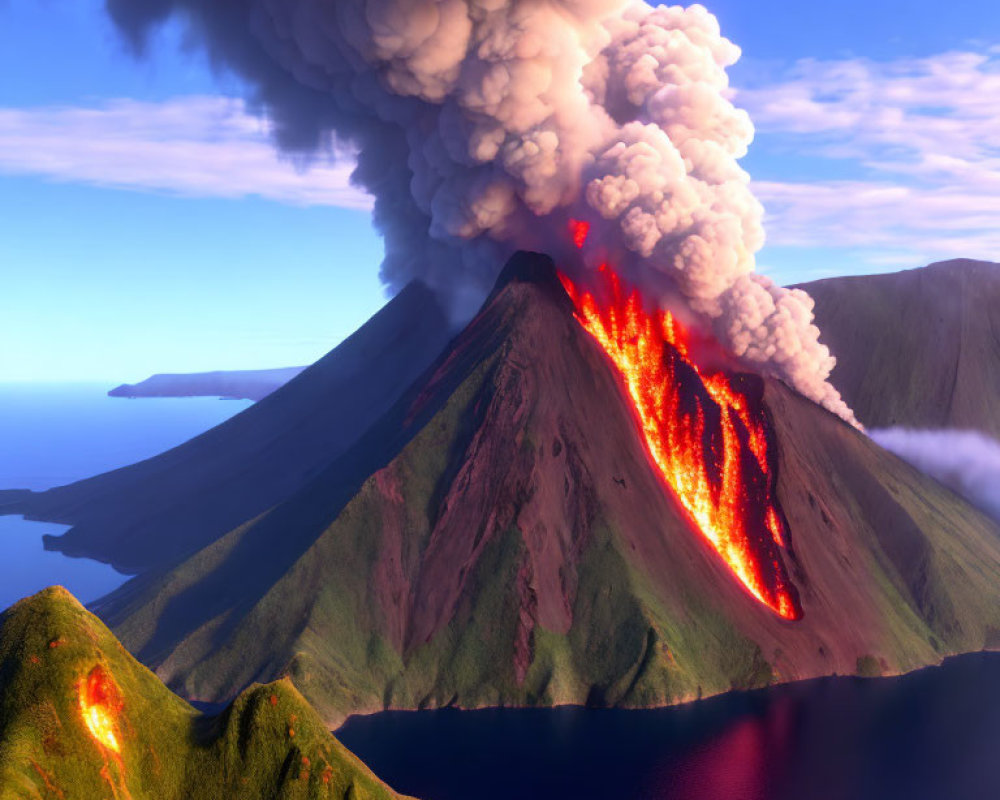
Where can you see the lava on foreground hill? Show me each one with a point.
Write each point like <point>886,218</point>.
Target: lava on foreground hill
<point>706,434</point>
<point>100,702</point>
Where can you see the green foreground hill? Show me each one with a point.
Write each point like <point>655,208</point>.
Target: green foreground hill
<point>60,666</point>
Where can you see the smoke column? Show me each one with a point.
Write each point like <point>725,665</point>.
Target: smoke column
<point>966,461</point>
<point>484,126</point>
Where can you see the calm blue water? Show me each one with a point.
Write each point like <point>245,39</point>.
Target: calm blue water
<point>52,434</point>
<point>932,735</point>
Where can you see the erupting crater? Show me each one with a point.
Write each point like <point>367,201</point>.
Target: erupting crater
<point>706,434</point>
<point>100,703</point>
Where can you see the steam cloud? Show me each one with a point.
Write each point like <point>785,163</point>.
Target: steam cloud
<point>966,461</point>
<point>484,126</point>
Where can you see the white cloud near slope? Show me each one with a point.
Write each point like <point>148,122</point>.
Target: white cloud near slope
<point>920,137</point>
<point>201,146</point>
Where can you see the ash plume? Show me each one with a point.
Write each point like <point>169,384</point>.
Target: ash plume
<point>484,126</point>
<point>967,462</point>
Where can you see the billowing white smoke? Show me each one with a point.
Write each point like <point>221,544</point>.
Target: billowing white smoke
<point>966,461</point>
<point>483,126</point>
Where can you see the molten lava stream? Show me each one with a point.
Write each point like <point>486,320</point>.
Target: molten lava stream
<point>99,705</point>
<point>705,436</point>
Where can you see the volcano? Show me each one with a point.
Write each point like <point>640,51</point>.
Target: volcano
<point>506,535</point>
<point>81,719</point>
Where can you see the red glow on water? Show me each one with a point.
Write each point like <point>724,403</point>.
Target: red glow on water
<point>709,443</point>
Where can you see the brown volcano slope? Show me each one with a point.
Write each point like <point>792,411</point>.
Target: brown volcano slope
<point>919,348</point>
<point>507,542</point>
<point>81,719</point>
<point>154,513</point>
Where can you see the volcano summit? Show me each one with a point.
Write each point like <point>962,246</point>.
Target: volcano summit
<point>504,535</point>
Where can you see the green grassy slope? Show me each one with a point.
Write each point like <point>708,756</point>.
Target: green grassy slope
<point>267,744</point>
<point>919,348</point>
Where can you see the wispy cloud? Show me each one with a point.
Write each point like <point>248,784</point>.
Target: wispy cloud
<point>932,222</point>
<point>922,135</point>
<point>194,146</point>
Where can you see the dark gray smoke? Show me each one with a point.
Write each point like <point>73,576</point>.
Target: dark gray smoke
<point>484,126</point>
<point>966,461</point>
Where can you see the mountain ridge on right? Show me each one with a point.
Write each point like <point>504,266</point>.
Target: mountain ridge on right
<point>918,348</point>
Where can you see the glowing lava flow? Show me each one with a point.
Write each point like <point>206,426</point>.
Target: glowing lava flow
<point>579,230</point>
<point>99,705</point>
<point>707,438</point>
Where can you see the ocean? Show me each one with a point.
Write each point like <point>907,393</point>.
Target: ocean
<point>53,434</point>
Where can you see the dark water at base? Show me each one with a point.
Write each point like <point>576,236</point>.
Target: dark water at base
<point>932,735</point>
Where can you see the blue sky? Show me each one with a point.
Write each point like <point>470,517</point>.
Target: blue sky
<point>877,149</point>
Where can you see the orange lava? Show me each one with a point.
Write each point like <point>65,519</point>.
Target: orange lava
<point>99,705</point>
<point>579,230</point>
<point>709,443</point>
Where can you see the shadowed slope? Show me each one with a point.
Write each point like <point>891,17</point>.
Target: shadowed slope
<point>155,512</point>
<point>500,537</point>
<point>919,348</point>
<point>81,719</point>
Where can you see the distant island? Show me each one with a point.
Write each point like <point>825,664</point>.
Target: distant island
<point>249,384</point>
